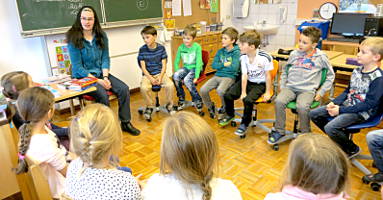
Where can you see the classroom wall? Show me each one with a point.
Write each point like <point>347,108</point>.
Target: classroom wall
<point>305,8</point>
<point>17,53</point>
<point>31,55</point>
<point>269,12</point>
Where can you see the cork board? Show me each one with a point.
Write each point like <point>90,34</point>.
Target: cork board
<point>198,15</point>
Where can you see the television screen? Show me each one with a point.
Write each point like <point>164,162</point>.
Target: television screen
<point>348,24</point>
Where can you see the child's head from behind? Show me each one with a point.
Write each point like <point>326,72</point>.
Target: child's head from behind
<point>95,135</point>
<point>149,35</point>
<point>35,105</point>
<point>370,50</point>
<point>190,32</point>
<point>249,41</point>
<point>229,36</point>
<point>317,165</point>
<point>14,82</point>
<point>309,39</point>
<point>189,150</point>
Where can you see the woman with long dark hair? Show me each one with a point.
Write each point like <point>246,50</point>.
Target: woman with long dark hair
<point>89,54</point>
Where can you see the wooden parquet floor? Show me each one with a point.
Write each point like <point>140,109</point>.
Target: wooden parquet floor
<point>250,163</point>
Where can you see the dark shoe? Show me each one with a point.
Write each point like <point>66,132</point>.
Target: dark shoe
<point>354,152</point>
<point>274,136</point>
<point>128,127</point>
<point>221,110</point>
<point>181,104</point>
<point>212,111</point>
<point>199,105</point>
<point>148,114</point>
<point>225,120</point>
<point>376,178</point>
<point>241,131</point>
<point>171,109</point>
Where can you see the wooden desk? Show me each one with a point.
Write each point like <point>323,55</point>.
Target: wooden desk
<point>346,47</point>
<point>339,63</point>
<point>70,95</point>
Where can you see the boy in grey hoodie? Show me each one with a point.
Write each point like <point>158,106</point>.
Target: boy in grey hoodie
<point>301,82</point>
<point>226,62</point>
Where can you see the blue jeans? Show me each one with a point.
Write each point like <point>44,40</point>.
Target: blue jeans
<point>334,127</point>
<point>187,76</point>
<point>375,145</point>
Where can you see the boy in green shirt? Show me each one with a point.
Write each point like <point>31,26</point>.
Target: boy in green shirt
<point>191,54</point>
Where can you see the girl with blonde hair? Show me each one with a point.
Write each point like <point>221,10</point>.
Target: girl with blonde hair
<point>96,138</point>
<point>189,151</point>
<point>316,169</point>
<point>37,142</point>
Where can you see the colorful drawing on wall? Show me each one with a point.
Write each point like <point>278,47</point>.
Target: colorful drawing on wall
<point>363,6</point>
<point>63,60</point>
<point>214,6</point>
<point>262,1</point>
<point>170,23</point>
<point>204,4</point>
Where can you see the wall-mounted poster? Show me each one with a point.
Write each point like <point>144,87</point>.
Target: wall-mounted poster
<point>204,4</point>
<point>363,6</point>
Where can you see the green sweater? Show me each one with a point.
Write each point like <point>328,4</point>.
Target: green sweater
<point>191,58</point>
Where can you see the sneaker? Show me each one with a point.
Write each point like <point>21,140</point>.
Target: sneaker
<point>128,127</point>
<point>225,120</point>
<point>148,113</point>
<point>376,178</point>
<point>171,109</point>
<point>212,111</point>
<point>241,130</point>
<point>181,104</point>
<point>354,153</point>
<point>221,110</point>
<point>274,136</point>
<point>199,105</point>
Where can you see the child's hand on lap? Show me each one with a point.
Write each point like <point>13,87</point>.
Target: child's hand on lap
<point>195,80</point>
<point>334,111</point>
<point>317,97</point>
<point>226,64</point>
<point>266,96</point>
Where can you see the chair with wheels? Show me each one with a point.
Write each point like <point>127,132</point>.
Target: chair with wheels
<point>202,77</point>
<point>259,122</point>
<point>373,122</point>
<point>292,105</point>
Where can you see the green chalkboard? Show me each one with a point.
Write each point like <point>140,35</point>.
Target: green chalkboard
<point>122,10</point>
<point>50,14</point>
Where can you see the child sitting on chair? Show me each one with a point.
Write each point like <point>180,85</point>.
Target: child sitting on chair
<point>301,82</point>
<point>189,153</point>
<point>226,62</point>
<point>152,59</point>
<point>190,53</point>
<point>96,138</point>
<point>37,142</point>
<point>316,169</point>
<point>360,101</point>
<point>256,66</point>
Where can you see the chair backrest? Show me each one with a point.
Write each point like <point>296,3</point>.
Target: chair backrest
<point>205,60</point>
<point>38,184</point>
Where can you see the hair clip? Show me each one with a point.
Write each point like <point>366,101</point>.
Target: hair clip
<point>21,157</point>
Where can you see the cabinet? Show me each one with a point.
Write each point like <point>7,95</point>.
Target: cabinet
<point>210,41</point>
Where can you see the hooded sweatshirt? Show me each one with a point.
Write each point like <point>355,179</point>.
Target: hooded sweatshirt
<point>227,56</point>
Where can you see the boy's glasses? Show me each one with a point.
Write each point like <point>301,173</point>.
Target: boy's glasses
<point>87,18</point>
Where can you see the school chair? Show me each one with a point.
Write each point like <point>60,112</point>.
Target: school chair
<point>202,77</point>
<point>373,122</point>
<point>259,122</point>
<point>37,182</point>
<point>292,105</point>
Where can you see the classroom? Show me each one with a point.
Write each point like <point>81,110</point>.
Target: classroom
<point>191,99</point>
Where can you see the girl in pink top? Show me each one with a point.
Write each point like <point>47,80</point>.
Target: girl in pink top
<point>317,169</point>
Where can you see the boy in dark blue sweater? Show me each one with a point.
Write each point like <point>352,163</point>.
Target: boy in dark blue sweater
<point>360,101</point>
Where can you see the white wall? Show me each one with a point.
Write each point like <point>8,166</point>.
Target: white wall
<point>17,53</point>
<point>31,55</point>
<point>269,12</point>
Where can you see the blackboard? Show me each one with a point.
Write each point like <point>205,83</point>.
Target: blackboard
<point>44,17</point>
<point>121,10</point>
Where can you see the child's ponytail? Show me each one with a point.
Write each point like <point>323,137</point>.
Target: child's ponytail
<point>25,132</point>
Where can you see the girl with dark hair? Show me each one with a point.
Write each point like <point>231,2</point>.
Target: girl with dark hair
<point>89,54</point>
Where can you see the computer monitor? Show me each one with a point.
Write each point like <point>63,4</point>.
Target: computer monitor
<point>348,24</point>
